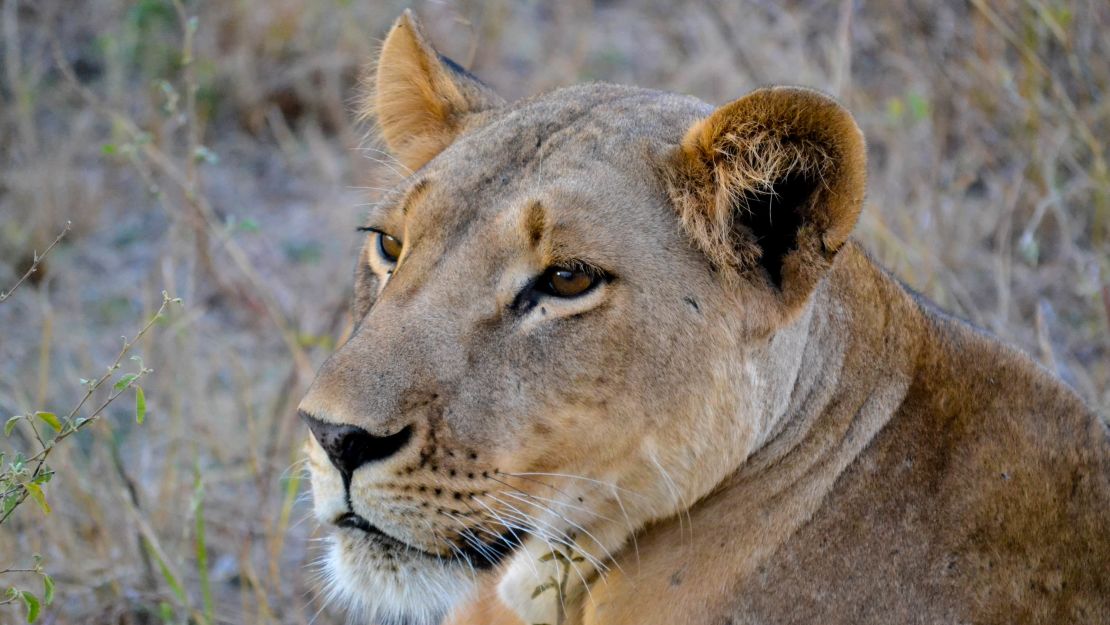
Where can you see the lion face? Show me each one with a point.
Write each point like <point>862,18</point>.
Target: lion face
<point>546,356</point>
<point>529,318</point>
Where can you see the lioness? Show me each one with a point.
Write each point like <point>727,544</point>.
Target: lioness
<point>616,362</point>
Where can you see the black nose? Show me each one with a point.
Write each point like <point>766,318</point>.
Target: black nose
<point>349,447</point>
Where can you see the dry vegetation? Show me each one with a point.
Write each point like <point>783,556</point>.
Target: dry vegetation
<point>218,160</point>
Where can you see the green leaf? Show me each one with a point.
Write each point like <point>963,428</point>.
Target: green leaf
<point>140,405</point>
<point>125,380</point>
<point>167,575</point>
<point>541,588</point>
<point>51,419</point>
<point>554,555</point>
<point>248,224</point>
<point>35,491</point>
<point>8,505</point>
<point>165,610</point>
<point>895,109</point>
<point>108,149</point>
<point>31,602</point>
<point>9,425</point>
<point>47,589</point>
<point>204,155</point>
<point>202,547</point>
<point>919,106</point>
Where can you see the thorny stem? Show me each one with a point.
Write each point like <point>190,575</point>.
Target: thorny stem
<point>36,262</point>
<point>191,187</point>
<point>561,606</point>
<point>564,563</point>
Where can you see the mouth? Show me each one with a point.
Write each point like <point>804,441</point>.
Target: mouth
<point>479,554</point>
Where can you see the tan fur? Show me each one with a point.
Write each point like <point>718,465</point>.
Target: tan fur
<point>419,105</point>
<point>751,422</point>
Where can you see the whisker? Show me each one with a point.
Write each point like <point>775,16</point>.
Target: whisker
<point>457,554</point>
<point>517,490</point>
<point>679,499</point>
<point>524,476</point>
<point>535,524</point>
<point>566,539</point>
<point>613,488</point>
<point>628,523</point>
<point>509,526</point>
<point>577,477</point>
<point>468,535</point>
<point>604,549</point>
<point>390,166</point>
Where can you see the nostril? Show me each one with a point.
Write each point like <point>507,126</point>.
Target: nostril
<point>350,447</point>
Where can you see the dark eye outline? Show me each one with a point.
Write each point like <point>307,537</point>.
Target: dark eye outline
<point>540,288</point>
<point>382,236</point>
<point>545,286</point>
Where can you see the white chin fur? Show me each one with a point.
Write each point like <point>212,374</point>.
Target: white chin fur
<point>422,591</point>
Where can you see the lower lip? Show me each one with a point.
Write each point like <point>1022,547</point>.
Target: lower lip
<point>354,521</point>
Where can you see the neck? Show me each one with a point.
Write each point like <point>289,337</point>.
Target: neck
<point>853,370</point>
<point>850,363</point>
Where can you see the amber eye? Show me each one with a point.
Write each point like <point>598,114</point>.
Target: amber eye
<point>390,247</point>
<point>567,282</point>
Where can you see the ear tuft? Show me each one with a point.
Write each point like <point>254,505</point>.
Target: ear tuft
<point>422,101</point>
<point>770,186</point>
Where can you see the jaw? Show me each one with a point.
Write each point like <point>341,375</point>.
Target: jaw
<point>547,579</point>
<point>660,480</point>
<point>377,584</point>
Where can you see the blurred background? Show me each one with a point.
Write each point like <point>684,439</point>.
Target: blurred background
<point>208,148</point>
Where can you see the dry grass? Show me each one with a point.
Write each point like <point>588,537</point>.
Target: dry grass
<point>990,192</point>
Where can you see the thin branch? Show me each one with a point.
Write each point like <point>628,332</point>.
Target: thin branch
<point>36,262</point>
<point>72,425</point>
<point>165,165</point>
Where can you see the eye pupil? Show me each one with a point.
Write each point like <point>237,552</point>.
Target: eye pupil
<point>569,282</point>
<point>390,247</point>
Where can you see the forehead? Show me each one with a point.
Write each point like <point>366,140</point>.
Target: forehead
<point>571,130</point>
<point>591,144</point>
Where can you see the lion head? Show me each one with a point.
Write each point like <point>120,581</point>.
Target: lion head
<point>572,318</point>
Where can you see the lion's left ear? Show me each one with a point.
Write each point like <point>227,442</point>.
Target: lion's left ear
<point>770,186</point>
<point>421,100</point>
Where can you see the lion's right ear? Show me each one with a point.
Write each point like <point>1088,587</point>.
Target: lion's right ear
<point>769,187</point>
<point>421,100</point>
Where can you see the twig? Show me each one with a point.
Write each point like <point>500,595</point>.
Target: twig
<point>163,163</point>
<point>36,261</point>
<point>71,425</point>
